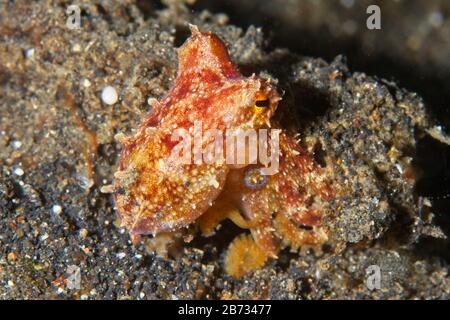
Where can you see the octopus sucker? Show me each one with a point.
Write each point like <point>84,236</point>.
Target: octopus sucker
<point>171,175</point>
<point>243,256</point>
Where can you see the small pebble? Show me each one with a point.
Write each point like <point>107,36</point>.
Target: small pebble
<point>76,48</point>
<point>12,256</point>
<point>57,209</point>
<point>109,95</point>
<point>222,19</point>
<point>29,53</point>
<point>151,101</point>
<point>18,172</point>
<point>86,83</point>
<point>16,144</point>
<point>83,233</point>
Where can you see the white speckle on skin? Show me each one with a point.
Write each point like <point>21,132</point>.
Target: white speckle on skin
<point>213,182</point>
<point>109,95</point>
<point>56,209</point>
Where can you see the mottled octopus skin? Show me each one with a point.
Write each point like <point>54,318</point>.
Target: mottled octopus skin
<point>288,209</point>
<point>153,195</point>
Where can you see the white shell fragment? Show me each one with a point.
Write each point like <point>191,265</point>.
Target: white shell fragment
<point>109,95</point>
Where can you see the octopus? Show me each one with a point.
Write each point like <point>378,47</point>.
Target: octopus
<point>158,194</point>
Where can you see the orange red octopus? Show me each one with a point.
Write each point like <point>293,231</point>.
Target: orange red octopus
<point>156,194</point>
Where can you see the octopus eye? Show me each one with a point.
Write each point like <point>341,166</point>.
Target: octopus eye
<point>262,103</point>
<point>254,179</point>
